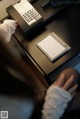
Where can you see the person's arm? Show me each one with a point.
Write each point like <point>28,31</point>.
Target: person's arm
<point>58,96</point>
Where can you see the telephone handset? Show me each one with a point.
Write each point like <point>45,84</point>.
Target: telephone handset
<point>28,17</point>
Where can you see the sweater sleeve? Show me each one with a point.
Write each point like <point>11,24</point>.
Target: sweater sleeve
<point>7,29</point>
<point>56,102</point>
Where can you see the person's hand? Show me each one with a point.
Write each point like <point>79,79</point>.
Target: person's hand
<point>11,25</point>
<point>68,80</point>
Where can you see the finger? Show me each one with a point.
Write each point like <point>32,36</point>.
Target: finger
<point>73,94</point>
<point>55,83</point>
<point>60,81</point>
<point>68,83</point>
<point>71,90</point>
<point>16,22</point>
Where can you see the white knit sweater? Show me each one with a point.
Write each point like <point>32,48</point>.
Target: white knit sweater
<point>56,102</point>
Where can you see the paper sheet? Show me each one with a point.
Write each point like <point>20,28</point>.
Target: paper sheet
<point>51,47</point>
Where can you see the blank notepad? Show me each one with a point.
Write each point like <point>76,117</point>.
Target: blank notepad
<point>53,47</point>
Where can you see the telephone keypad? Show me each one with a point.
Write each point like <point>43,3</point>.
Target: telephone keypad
<point>31,16</point>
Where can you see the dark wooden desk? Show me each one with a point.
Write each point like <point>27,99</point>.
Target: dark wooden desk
<point>66,26</point>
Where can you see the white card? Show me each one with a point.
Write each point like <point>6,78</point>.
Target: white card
<point>53,47</point>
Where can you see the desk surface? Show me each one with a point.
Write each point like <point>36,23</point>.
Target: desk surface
<point>3,5</point>
<point>66,26</point>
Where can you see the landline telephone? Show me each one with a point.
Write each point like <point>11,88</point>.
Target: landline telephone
<point>28,17</point>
